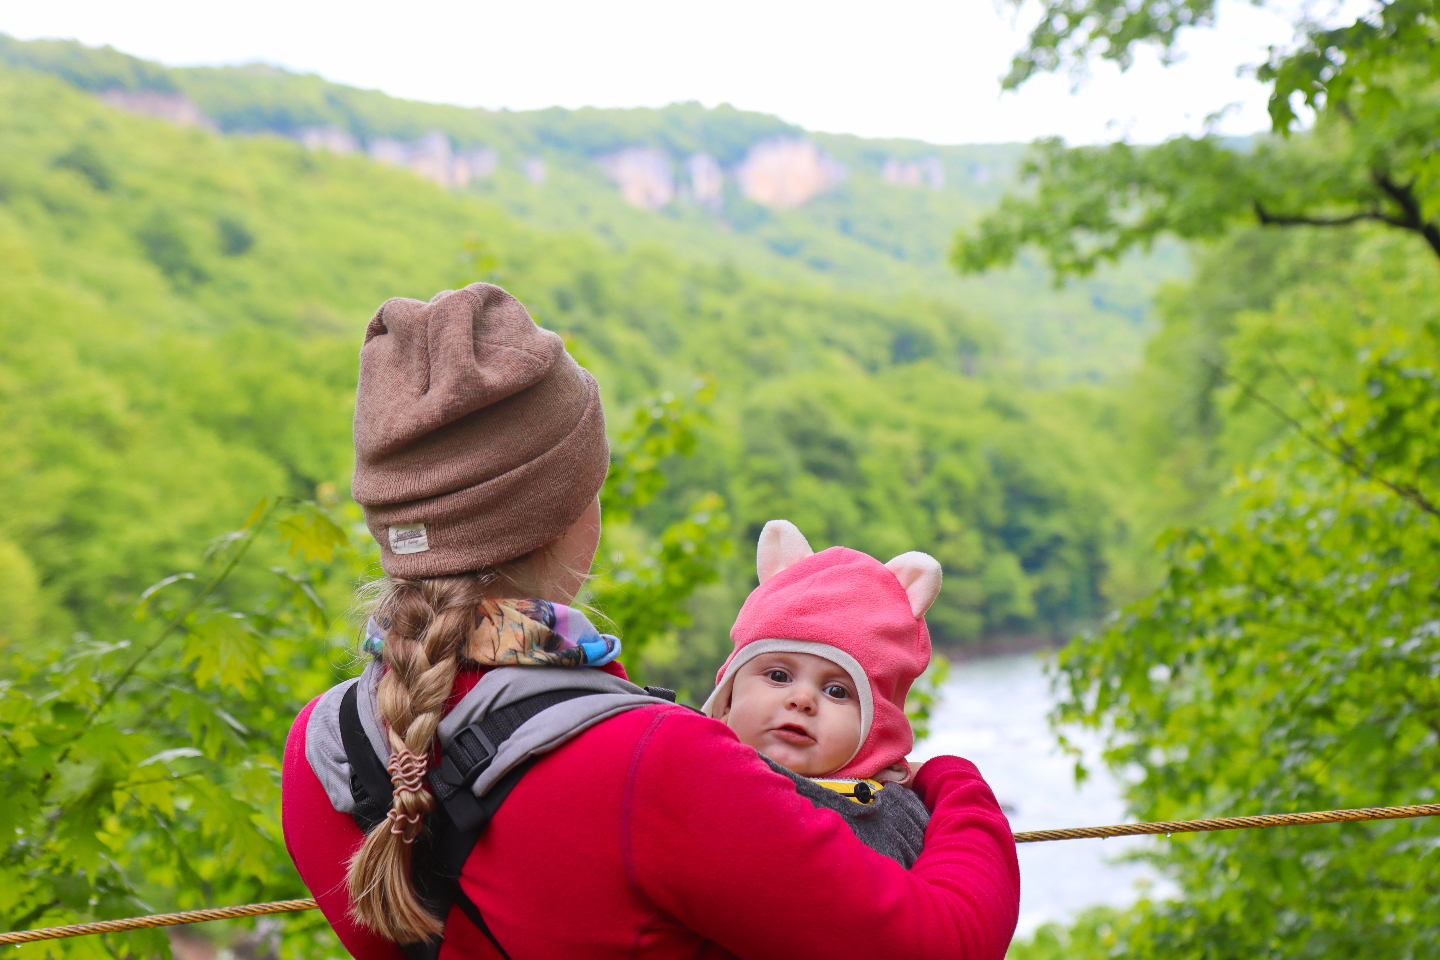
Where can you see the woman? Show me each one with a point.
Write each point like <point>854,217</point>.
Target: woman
<point>619,825</point>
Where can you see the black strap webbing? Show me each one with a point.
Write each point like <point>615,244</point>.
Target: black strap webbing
<point>369,780</point>
<point>439,853</point>
<point>470,752</point>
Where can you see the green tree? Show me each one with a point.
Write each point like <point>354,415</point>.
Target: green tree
<point>1288,663</point>
<point>646,581</point>
<point>1287,660</point>
<point>1372,88</point>
<point>142,768</point>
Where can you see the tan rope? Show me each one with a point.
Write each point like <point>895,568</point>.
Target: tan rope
<point>1234,823</point>
<point>1033,836</point>
<point>157,920</point>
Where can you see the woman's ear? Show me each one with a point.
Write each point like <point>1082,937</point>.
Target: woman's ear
<point>781,545</point>
<point>919,573</point>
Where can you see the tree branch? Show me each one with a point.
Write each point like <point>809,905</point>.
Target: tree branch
<point>34,914</point>
<point>1344,454</point>
<point>250,532</point>
<point>1403,196</point>
<point>1287,220</point>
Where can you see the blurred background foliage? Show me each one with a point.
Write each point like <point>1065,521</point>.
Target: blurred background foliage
<point>182,307</point>
<point>142,764</point>
<point>181,314</point>
<point>180,325</point>
<point>865,235</point>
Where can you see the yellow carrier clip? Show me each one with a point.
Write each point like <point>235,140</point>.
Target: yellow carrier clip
<point>858,791</point>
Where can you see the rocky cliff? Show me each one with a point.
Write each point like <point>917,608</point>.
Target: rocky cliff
<point>787,172</point>
<point>776,172</point>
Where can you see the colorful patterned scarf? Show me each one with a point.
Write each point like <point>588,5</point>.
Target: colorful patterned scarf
<point>527,633</point>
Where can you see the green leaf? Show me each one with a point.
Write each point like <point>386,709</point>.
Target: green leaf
<point>311,533</point>
<point>165,756</point>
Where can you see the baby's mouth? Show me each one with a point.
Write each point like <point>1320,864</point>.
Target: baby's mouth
<point>794,733</point>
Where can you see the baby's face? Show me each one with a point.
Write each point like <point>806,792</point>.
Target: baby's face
<point>798,709</point>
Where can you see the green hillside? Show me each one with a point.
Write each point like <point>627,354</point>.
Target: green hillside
<point>864,234</point>
<point>182,310</point>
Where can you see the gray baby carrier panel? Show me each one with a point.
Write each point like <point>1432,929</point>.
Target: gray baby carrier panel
<point>492,737</point>
<point>893,822</point>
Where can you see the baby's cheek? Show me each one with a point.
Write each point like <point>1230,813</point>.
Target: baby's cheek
<point>742,721</point>
<point>848,733</point>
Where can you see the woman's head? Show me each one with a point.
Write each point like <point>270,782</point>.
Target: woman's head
<point>479,455</point>
<point>477,438</point>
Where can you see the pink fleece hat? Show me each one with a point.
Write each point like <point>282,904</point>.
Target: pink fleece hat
<point>865,616</point>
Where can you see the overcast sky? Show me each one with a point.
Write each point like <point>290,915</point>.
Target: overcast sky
<point>927,69</point>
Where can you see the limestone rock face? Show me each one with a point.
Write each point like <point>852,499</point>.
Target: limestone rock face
<point>430,157</point>
<point>433,158</point>
<point>707,181</point>
<point>332,139</point>
<point>787,172</point>
<point>477,163</point>
<point>644,175</point>
<point>915,173</point>
<point>174,107</point>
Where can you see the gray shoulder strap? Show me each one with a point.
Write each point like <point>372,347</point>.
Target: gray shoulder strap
<point>552,728</point>
<point>325,749</point>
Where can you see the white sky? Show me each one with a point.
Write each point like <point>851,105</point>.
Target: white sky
<point>927,69</point>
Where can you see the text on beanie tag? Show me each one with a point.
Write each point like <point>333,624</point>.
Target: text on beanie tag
<point>409,538</point>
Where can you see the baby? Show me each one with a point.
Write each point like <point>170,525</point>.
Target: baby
<point>826,649</point>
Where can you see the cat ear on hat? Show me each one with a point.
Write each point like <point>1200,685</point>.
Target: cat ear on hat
<point>919,573</point>
<point>781,545</point>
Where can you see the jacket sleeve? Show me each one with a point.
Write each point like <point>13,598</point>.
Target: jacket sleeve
<point>321,841</point>
<point>727,848</point>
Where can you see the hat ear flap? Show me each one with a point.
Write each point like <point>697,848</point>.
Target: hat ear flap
<point>919,573</point>
<point>781,545</point>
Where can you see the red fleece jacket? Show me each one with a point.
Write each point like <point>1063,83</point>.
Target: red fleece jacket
<point>657,834</point>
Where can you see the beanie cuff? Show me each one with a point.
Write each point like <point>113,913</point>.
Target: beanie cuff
<point>499,519</point>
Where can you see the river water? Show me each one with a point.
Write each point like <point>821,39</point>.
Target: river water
<point>993,714</point>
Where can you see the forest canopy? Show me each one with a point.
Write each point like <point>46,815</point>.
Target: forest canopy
<point>182,319</point>
<point>183,307</point>
<point>182,314</point>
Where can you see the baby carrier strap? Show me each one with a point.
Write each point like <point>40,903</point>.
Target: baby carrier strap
<point>439,853</point>
<point>469,752</point>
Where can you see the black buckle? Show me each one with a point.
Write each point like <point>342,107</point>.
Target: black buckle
<point>467,756</point>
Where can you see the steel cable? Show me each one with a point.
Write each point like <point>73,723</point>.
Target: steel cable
<point>1233,823</point>
<point>157,920</point>
<point>1030,836</point>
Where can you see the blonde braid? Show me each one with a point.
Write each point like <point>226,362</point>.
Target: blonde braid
<point>429,621</point>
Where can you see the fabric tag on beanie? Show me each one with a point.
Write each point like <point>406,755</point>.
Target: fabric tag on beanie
<point>409,538</point>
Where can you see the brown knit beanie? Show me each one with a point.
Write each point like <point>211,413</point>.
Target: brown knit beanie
<point>477,437</point>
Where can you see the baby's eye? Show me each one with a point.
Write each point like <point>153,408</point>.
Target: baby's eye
<point>777,676</point>
<point>837,692</point>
